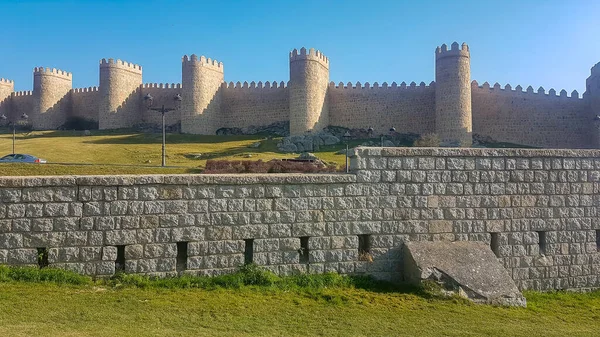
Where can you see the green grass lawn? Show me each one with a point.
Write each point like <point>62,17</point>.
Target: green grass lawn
<point>110,149</point>
<point>335,307</point>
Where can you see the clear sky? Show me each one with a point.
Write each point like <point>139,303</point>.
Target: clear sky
<point>549,43</point>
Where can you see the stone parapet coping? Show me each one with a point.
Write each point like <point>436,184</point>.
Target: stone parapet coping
<point>470,152</point>
<point>176,179</point>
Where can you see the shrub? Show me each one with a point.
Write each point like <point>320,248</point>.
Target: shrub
<point>428,140</point>
<point>79,123</point>
<point>272,166</point>
<point>35,274</point>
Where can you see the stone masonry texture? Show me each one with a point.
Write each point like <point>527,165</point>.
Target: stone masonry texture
<point>452,106</point>
<point>537,209</point>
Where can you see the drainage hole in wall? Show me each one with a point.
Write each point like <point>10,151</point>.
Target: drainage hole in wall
<point>42,254</point>
<point>494,244</point>
<point>120,261</point>
<point>303,251</point>
<point>248,251</point>
<point>182,255</point>
<point>542,242</point>
<point>364,248</point>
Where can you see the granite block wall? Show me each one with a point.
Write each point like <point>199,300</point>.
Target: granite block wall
<point>537,209</point>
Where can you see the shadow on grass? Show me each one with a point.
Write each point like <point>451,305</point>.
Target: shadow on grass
<point>130,136</point>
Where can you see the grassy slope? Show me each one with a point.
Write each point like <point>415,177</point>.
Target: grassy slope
<point>51,310</point>
<point>135,149</point>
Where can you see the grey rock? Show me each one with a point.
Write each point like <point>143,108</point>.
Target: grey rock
<point>255,145</point>
<point>329,139</point>
<point>469,268</point>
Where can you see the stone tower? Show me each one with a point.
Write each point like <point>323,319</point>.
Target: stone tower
<point>453,122</point>
<point>309,80</point>
<point>201,80</point>
<point>592,95</point>
<point>119,105</point>
<point>6,89</point>
<point>50,98</point>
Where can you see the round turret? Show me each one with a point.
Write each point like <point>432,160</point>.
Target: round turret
<point>50,89</point>
<point>201,81</point>
<point>119,82</point>
<point>592,98</point>
<point>453,122</point>
<point>6,89</point>
<point>309,80</point>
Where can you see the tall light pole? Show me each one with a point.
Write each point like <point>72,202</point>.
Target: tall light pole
<point>347,137</point>
<point>149,100</point>
<point>23,117</point>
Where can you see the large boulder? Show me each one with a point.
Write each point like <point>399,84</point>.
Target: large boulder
<point>468,268</point>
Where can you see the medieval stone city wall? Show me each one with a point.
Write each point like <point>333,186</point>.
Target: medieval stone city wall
<point>254,104</point>
<point>408,108</point>
<point>452,106</point>
<point>537,209</point>
<point>85,103</point>
<point>21,103</point>
<point>532,118</point>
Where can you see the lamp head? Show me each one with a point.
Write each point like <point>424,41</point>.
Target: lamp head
<point>148,100</point>
<point>177,99</point>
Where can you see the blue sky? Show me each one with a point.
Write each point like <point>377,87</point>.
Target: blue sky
<point>549,43</point>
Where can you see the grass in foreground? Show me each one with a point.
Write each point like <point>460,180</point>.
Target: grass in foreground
<point>253,302</point>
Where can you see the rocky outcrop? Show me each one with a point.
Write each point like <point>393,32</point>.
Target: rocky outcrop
<point>307,142</point>
<point>281,129</point>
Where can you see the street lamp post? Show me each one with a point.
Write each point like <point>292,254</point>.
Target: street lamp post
<point>14,125</point>
<point>347,137</point>
<point>149,100</point>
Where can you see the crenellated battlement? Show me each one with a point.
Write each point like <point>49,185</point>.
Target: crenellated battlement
<point>455,50</point>
<point>52,72</point>
<point>23,93</point>
<point>595,69</point>
<point>162,85</point>
<point>311,54</point>
<point>7,82</point>
<point>203,61</point>
<point>528,91</point>
<point>112,63</point>
<point>81,90</point>
<point>255,85</point>
<point>384,86</point>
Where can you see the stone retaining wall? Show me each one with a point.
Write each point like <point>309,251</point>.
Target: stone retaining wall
<point>536,208</point>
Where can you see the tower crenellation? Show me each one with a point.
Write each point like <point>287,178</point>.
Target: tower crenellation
<point>204,62</point>
<point>112,63</point>
<point>311,54</point>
